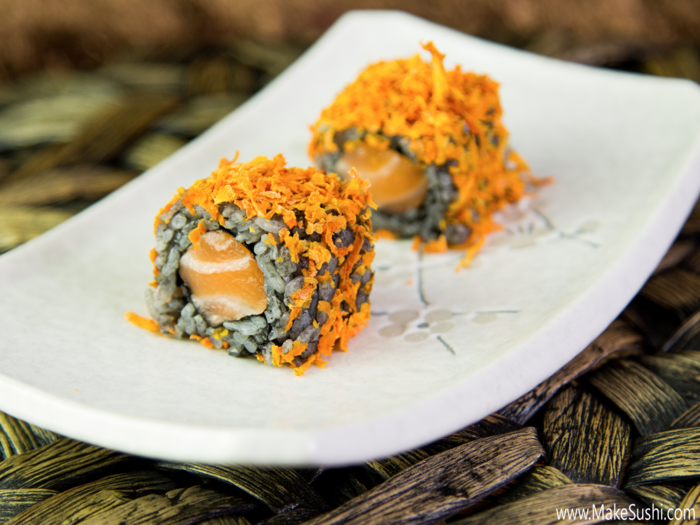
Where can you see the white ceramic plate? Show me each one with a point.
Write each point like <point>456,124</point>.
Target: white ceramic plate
<point>444,350</point>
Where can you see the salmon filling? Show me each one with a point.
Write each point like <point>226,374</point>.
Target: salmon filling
<point>397,183</point>
<point>224,278</point>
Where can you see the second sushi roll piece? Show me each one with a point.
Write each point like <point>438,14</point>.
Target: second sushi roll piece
<point>264,260</point>
<point>432,144</point>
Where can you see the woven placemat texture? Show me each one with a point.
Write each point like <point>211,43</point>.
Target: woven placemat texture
<point>41,34</point>
<point>619,426</point>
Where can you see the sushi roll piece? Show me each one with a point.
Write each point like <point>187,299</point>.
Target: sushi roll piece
<point>433,146</point>
<point>264,260</point>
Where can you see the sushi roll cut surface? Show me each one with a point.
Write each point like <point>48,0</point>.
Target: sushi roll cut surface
<point>432,144</point>
<point>265,260</point>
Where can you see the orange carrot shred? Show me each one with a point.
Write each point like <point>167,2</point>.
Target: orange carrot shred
<point>207,342</point>
<point>142,322</point>
<point>386,234</point>
<point>195,234</point>
<point>436,246</point>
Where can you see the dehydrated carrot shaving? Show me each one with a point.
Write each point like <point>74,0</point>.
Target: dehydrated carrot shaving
<point>279,358</point>
<point>299,370</point>
<point>142,322</point>
<point>207,342</point>
<point>294,313</point>
<point>436,246</point>
<point>301,297</point>
<point>471,252</point>
<point>195,234</point>
<point>204,341</point>
<point>448,118</point>
<point>386,234</point>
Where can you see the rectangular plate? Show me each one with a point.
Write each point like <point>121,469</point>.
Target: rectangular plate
<point>443,349</point>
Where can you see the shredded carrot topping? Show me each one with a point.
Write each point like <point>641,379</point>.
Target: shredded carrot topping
<point>195,234</point>
<point>448,118</point>
<point>436,246</point>
<point>315,359</point>
<point>386,234</point>
<point>315,202</point>
<point>142,322</point>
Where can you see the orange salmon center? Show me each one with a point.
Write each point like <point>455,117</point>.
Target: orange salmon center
<point>224,278</point>
<point>397,183</point>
